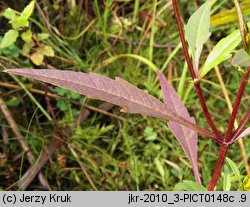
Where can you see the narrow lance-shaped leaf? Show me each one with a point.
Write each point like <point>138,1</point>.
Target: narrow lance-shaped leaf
<point>242,58</point>
<point>221,52</point>
<point>118,92</point>
<point>233,166</point>
<point>227,182</point>
<point>187,138</point>
<point>189,185</point>
<point>197,31</point>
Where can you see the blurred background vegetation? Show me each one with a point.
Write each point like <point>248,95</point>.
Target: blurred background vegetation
<point>106,149</point>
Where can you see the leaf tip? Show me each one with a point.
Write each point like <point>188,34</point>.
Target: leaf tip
<point>9,71</point>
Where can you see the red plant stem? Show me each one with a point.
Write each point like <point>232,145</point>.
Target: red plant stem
<point>182,37</point>
<point>191,69</point>
<point>241,126</point>
<point>236,105</point>
<point>205,110</point>
<point>220,161</point>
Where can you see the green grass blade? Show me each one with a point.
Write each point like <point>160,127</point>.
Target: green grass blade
<point>32,97</point>
<point>137,57</point>
<point>182,80</point>
<point>170,57</point>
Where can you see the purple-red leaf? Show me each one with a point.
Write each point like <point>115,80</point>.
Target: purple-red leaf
<point>118,91</point>
<point>245,133</point>
<point>187,138</point>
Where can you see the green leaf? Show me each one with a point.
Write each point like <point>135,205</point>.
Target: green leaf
<point>42,36</point>
<point>227,16</point>
<point>27,36</point>
<point>13,102</point>
<point>60,91</point>
<point>221,52</point>
<point>235,178</point>
<point>159,167</point>
<point>150,134</point>
<point>37,58</point>
<point>62,105</point>
<point>189,186</point>
<point>46,50</point>
<point>9,38</point>
<point>27,47</point>
<point>19,22</point>
<point>226,179</point>
<point>11,51</point>
<point>28,10</point>
<point>197,31</point>
<point>134,56</point>
<point>242,58</point>
<point>74,95</point>
<point>233,166</point>
<point>9,13</point>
